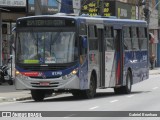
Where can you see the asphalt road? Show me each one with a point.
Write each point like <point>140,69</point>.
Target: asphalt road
<point>145,96</point>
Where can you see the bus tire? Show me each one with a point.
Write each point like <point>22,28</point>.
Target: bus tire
<point>90,93</point>
<point>38,95</point>
<point>77,94</point>
<point>127,88</point>
<point>118,90</point>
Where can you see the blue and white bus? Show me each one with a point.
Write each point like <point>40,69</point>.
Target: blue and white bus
<point>79,54</point>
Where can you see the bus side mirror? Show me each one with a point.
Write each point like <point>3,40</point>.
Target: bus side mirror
<point>12,38</point>
<point>83,41</point>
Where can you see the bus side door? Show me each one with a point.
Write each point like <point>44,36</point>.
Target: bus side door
<point>119,52</point>
<point>100,29</point>
<point>109,57</point>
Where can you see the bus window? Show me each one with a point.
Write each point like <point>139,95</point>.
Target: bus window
<point>109,38</point>
<point>142,38</point>
<point>116,40</point>
<point>93,42</point>
<point>135,43</point>
<point>92,31</point>
<point>82,29</point>
<point>127,38</point>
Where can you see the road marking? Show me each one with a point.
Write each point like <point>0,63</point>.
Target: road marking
<point>155,88</point>
<point>130,96</point>
<point>69,116</point>
<point>94,107</point>
<point>114,101</point>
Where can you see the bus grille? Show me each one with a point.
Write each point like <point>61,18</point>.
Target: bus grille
<point>38,77</point>
<point>44,68</point>
<point>54,84</point>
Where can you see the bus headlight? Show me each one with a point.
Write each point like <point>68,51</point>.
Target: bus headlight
<point>19,75</point>
<point>17,72</point>
<point>74,72</point>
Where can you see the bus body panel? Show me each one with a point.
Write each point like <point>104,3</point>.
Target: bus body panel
<point>110,69</point>
<point>93,65</point>
<point>116,65</point>
<point>83,75</point>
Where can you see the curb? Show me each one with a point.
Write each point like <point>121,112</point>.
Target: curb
<point>15,99</point>
<point>23,98</point>
<point>154,74</point>
<point>20,98</point>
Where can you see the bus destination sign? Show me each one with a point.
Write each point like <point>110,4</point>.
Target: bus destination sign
<point>45,23</point>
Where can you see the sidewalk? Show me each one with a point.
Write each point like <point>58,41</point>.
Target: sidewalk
<point>154,71</point>
<point>8,93</point>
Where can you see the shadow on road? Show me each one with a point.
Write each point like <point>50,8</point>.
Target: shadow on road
<point>100,95</point>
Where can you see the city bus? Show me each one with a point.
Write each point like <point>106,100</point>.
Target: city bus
<point>79,54</point>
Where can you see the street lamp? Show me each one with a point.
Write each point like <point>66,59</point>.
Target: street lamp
<point>147,12</point>
<point>138,4</point>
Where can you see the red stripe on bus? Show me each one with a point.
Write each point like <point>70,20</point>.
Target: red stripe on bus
<point>118,73</point>
<point>30,74</point>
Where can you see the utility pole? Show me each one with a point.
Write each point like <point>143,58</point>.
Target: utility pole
<point>100,4</point>
<point>0,38</point>
<point>1,9</point>
<point>139,4</point>
<point>138,9</point>
<point>38,7</point>
<point>147,12</point>
<point>158,45</point>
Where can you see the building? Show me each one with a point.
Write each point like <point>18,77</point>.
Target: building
<point>153,28</point>
<point>10,10</point>
<point>119,8</point>
<point>129,9</point>
<point>123,9</point>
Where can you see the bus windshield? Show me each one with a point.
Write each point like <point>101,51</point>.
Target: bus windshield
<point>46,47</point>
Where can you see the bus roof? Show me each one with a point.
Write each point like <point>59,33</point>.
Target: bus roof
<point>89,19</point>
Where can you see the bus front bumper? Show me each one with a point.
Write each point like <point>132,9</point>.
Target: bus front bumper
<point>28,83</point>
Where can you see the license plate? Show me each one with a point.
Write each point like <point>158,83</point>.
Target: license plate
<point>44,83</point>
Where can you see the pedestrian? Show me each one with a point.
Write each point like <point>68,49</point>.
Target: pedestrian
<point>152,60</point>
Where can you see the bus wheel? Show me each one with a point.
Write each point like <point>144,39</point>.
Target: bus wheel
<point>90,93</point>
<point>38,95</point>
<point>127,88</point>
<point>118,90</point>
